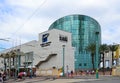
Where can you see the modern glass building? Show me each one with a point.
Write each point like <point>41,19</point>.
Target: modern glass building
<point>83,29</point>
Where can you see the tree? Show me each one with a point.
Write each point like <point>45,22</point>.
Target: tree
<point>91,48</point>
<point>103,49</point>
<point>113,48</point>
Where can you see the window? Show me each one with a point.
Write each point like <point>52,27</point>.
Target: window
<point>83,32</point>
<point>85,64</point>
<point>80,64</point>
<point>107,62</point>
<point>29,56</point>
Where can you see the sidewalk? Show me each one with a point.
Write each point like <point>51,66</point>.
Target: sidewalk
<point>26,80</point>
<point>61,80</point>
<point>34,80</point>
<point>50,80</point>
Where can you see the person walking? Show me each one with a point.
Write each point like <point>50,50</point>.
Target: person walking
<point>1,78</point>
<point>30,73</point>
<point>72,73</point>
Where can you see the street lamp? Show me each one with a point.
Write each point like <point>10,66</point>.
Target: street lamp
<point>97,50</point>
<point>63,59</point>
<point>4,39</point>
<point>31,70</point>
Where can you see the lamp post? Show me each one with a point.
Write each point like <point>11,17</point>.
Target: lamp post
<point>97,50</point>
<point>63,59</point>
<point>16,65</point>
<point>18,59</point>
<point>31,70</point>
<point>4,39</point>
<point>4,65</point>
<point>118,56</point>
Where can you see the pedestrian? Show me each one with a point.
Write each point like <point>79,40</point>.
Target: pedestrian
<point>93,72</point>
<point>71,73</point>
<point>4,76</point>
<point>87,72</point>
<point>20,75</point>
<point>34,73</point>
<point>30,73</point>
<point>1,78</point>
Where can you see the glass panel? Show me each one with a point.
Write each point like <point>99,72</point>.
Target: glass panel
<point>83,33</point>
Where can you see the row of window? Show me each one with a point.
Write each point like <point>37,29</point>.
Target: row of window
<point>75,26</point>
<point>76,17</point>
<point>83,32</point>
<point>75,22</point>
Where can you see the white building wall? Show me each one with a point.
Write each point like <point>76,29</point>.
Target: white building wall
<point>56,47</point>
<point>108,58</point>
<point>41,53</point>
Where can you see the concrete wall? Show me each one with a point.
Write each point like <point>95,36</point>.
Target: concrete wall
<point>116,71</point>
<point>41,53</point>
<point>56,47</point>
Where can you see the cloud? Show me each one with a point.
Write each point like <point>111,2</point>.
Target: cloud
<point>27,18</point>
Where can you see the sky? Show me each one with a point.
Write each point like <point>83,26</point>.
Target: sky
<point>22,20</point>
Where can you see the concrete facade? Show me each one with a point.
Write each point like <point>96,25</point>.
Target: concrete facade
<point>55,48</point>
<point>108,58</point>
<point>47,52</point>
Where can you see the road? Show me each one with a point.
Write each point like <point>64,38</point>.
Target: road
<point>102,80</point>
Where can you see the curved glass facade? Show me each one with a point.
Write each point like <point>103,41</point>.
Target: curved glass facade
<point>83,29</point>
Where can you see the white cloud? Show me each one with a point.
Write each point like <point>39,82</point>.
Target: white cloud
<point>26,3</point>
<point>27,18</point>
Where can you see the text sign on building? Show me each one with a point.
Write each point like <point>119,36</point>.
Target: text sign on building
<point>63,38</point>
<point>45,37</point>
<point>45,40</point>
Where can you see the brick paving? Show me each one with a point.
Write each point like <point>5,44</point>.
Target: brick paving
<point>26,80</point>
<point>34,80</point>
<point>52,80</point>
<point>60,80</point>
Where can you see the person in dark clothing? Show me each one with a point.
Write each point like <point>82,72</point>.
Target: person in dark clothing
<point>71,73</point>
<point>20,75</point>
<point>1,78</point>
<point>4,77</point>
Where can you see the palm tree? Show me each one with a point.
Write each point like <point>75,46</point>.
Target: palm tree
<point>91,48</point>
<point>103,49</point>
<point>113,48</point>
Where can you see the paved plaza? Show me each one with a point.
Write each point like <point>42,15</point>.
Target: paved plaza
<point>80,79</point>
